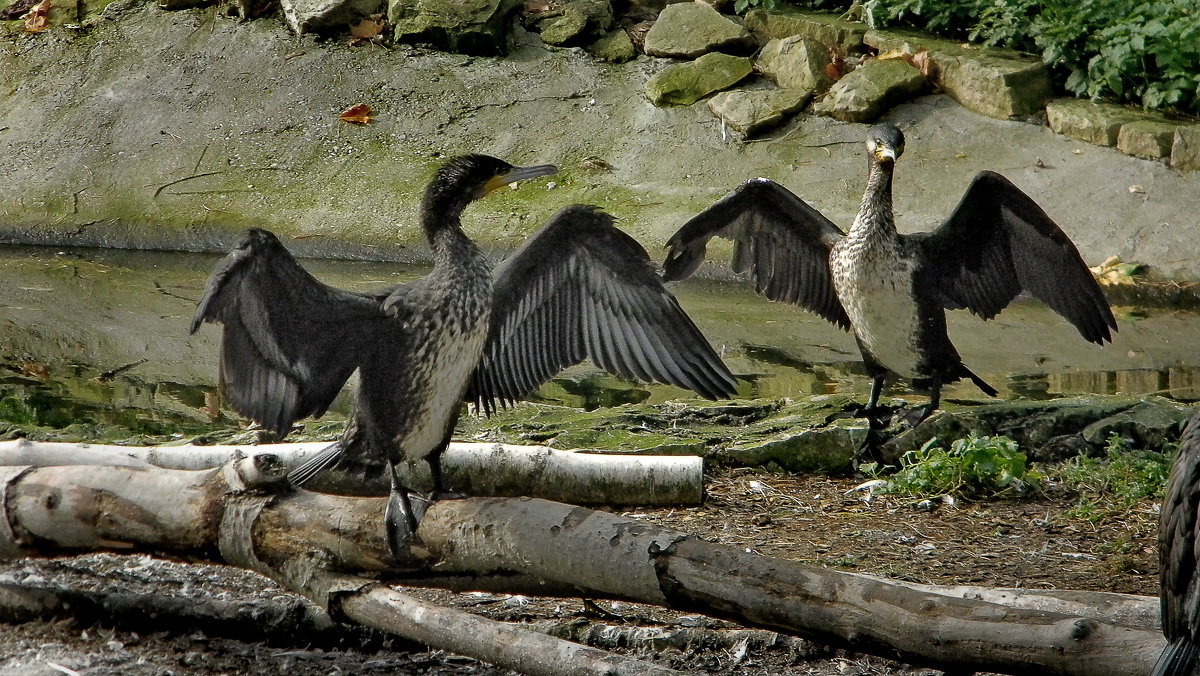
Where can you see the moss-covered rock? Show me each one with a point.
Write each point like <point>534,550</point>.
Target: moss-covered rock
<point>755,110</point>
<point>1149,138</point>
<point>796,62</point>
<point>1097,123</point>
<point>685,83</point>
<point>867,93</point>
<point>690,29</point>
<point>995,82</point>
<point>466,26</point>
<point>827,29</point>
<point>577,22</point>
<point>615,47</point>
<point>1185,148</point>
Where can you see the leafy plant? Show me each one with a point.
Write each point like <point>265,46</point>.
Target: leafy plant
<point>1113,485</point>
<point>1140,51</point>
<point>974,466</point>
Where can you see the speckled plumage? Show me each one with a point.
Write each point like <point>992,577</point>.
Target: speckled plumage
<point>1179,558</point>
<point>892,290</point>
<point>290,342</point>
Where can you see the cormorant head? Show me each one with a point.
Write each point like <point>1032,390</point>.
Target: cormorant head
<point>885,143</point>
<point>468,177</point>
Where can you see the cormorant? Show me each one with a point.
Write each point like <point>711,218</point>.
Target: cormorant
<point>1179,583</point>
<point>579,288</point>
<point>892,290</point>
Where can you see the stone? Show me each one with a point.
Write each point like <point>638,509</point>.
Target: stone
<point>752,111</point>
<point>999,83</point>
<point>1150,423</point>
<point>845,36</point>
<point>823,449</point>
<point>317,16</point>
<point>1149,138</point>
<point>865,94</point>
<point>796,62</point>
<point>1185,148</point>
<point>685,83</point>
<point>690,29</point>
<point>1097,123</point>
<point>615,47</point>
<point>478,27</point>
<point>577,21</point>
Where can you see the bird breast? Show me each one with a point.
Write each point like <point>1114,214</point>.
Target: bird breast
<point>874,282</point>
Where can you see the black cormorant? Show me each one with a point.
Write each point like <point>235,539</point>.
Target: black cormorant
<point>892,290</point>
<point>1179,582</point>
<point>579,288</point>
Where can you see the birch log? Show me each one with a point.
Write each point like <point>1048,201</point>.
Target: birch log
<point>500,470</point>
<point>298,537</point>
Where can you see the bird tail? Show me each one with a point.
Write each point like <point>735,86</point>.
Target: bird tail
<point>979,382</point>
<point>316,464</point>
<point>1181,657</point>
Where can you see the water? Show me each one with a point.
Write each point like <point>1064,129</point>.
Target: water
<point>69,316</point>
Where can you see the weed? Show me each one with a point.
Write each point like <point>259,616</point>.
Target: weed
<point>973,467</point>
<point>1112,486</point>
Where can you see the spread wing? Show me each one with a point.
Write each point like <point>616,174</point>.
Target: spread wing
<point>581,288</point>
<point>782,240</point>
<point>289,342</point>
<point>999,242</point>
<point>1177,557</point>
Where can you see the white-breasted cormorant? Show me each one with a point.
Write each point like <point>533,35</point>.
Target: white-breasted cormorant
<point>892,290</point>
<point>1179,577</point>
<point>579,288</point>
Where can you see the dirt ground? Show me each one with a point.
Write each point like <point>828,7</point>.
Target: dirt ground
<point>1028,543</point>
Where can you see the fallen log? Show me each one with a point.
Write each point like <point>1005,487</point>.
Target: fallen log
<point>480,469</point>
<point>298,537</point>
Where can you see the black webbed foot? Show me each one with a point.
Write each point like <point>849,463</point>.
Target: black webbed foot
<point>400,521</point>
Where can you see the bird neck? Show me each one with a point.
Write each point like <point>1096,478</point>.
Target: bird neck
<point>450,245</point>
<point>875,213</point>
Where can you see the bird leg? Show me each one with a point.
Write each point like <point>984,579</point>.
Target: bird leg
<point>873,400</point>
<point>917,415</point>
<point>401,520</point>
<point>441,490</point>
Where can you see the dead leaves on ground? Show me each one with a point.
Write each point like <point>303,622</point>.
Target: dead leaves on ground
<point>920,61</point>
<point>37,18</point>
<point>357,114</point>
<point>369,29</point>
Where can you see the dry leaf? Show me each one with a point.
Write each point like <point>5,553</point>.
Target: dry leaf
<point>35,21</point>
<point>924,64</point>
<point>368,28</point>
<point>357,114</point>
<point>36,370</point>
<point>837,65</point>
<point>1136,189</point>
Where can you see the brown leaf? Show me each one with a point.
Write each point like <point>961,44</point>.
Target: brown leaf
<point>36,370</point>
<point>357,114</point>
<point>35,21</point>
<point>368,28</point>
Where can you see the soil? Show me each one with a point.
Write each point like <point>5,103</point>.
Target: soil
<point>1031,543</point>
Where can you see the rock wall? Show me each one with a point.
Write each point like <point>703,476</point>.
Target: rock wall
<point>154,129</point>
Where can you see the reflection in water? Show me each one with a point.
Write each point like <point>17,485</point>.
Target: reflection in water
<point>68,316</point>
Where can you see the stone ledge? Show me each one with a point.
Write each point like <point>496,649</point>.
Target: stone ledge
<point>1098,123</point>
<point>845,36</point>
<point>998,83</point>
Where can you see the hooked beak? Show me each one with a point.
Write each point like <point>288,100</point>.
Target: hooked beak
<point>518,174</point>
<point>885,154</point>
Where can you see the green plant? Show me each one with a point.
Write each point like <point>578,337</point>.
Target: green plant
<point>1140,51</point>
<point>974,466</point>
<point>1113,485</point>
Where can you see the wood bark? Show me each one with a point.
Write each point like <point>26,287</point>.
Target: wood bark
<point>298,537</point>
<point>479,469</point>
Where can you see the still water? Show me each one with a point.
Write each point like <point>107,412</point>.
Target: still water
<point>91,337</point>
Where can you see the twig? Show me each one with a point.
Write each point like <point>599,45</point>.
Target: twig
<point>113,373</point>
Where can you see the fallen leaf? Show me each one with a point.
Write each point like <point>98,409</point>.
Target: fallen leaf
<point>368,28</point>
<point>1136,189</point>
<point>35,21</point>
<point>357,114</point>
<point>36,370</point>
<point>837,65</point>
<point>925,64</point>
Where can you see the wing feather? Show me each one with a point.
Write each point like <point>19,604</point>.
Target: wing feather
<point>288,341</point>
<point>580,288</point>
<point>782,240</point>
<point>998,243</point>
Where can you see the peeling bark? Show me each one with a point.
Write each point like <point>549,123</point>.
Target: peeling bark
<point>500,470</point>
<point>299,537</point>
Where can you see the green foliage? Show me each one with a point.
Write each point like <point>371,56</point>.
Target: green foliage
<point>1140,51</point>
<point>1112,486</point>
<point>974,467</point>
<point>743,6</point>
